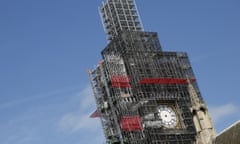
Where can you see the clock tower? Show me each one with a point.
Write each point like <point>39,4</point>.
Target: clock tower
<point>145,95</point>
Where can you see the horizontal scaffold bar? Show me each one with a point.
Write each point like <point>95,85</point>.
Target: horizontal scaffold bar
<point>165,81</point>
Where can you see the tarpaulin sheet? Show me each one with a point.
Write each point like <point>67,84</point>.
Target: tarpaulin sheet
<point>120,81</point>
<point>131,123</point>
<point>164,81</point>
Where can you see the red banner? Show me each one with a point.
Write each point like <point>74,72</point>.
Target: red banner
<point>131,123</point>
<point>121,85</point>
<point>120,81</point>
<point>165,81</point>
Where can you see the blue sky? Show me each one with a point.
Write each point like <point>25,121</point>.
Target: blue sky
<point>47,45</point>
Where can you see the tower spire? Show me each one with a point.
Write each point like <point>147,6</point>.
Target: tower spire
<point>119,15</point>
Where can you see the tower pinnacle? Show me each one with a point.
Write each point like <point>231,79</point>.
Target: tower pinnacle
<point>119,15</point>
<point>202,121</point>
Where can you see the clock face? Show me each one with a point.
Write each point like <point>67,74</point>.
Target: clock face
<point>168,116</point>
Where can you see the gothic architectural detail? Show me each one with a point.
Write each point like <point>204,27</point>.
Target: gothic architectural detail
<point>205,131</point>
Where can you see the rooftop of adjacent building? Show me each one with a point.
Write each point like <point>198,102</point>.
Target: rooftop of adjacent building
<point>236,124</point>
<point>230,135</point>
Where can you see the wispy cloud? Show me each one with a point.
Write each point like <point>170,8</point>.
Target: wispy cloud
<point>73,122</point>
<point>33,119</point>
<point>218,113</point>
<point>26,99</point>
<point>79,119</point>
<point>87,99</point>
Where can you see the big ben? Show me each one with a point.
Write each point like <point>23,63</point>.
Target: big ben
<point>145,95</point>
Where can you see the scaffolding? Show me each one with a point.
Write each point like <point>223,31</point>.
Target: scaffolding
<point>135,82</point>
<point>142,92</point>
<point>119,15</point>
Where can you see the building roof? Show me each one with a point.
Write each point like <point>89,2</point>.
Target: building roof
<point>230,135</point>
